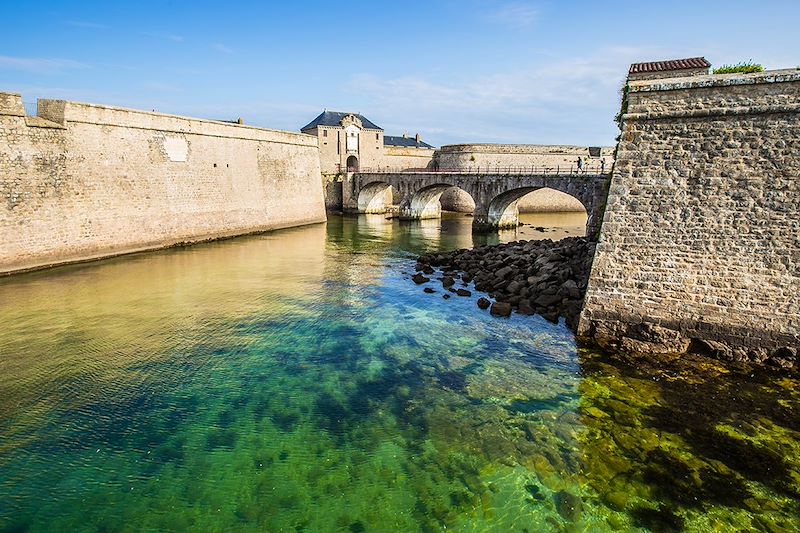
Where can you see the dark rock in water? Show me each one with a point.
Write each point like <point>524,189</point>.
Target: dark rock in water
<point>501,309</point>
<point>568,505</point>
<point>525,308</point>
<point>484,303</point>
<point>445,296</point>
<point>551,316</point>
<point>428,290</point>
<point>463,292</point>
<point>427,269</point>
<point>536,276</point>
<point>534,491</point>
<point>785,357</point>
<point>419,279</point>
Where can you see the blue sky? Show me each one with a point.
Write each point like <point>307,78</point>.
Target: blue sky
<point>454,71</point>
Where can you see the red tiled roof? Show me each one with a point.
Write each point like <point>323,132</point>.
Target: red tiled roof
<point>672,64</point>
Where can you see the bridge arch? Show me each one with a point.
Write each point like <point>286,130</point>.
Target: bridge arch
<point>375,197</point>
<point>458,200</point>
<point>424,202</point>
<point>547,200</point>
<point>503,210</point>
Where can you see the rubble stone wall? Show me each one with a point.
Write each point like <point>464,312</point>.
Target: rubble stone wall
<point>700,242</point>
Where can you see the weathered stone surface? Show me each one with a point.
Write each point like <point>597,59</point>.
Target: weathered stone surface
<point>501,309</point>
<point>700,234</point>
<point>419,279</point>
<point>484,303</point>
<point>84,181</point>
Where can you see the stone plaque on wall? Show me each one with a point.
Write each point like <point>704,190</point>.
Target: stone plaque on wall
<point>176,148</point>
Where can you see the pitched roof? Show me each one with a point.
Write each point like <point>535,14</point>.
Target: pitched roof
<point>397,140</point>
<point>334,118</point>
<point>671,64</point>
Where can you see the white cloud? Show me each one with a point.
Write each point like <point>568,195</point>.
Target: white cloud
<point>219,47</point>
<point>39,65</point>
<point>516,14</point>
<point>558,100</point>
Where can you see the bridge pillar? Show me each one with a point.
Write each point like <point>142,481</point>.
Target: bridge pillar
<point>489,218</point>
<point>593,222</point>
<point>422,204</point>
<point>483,222</point>
<point>350,192</point>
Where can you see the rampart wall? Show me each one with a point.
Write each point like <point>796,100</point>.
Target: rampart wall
<point>83,181</point>
<point>464,156</point>
<point>474,156</point>
<point>700,244</point>
<point>400,157</point>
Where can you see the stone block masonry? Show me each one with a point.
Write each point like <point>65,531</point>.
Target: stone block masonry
<point>82,181</point>
<point>700,243</point>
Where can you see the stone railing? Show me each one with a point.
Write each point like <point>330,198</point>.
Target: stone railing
<point>589,170</point>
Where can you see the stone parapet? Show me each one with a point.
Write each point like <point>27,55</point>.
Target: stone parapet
<point>11,105</point>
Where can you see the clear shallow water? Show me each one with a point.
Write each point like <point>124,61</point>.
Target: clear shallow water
<point>297,381</point>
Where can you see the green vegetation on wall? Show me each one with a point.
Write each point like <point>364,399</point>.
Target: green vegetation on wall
<point>744,67</point>
<point>623,106</point>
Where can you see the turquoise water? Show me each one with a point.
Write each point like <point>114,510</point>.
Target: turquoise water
<point>298,381</point>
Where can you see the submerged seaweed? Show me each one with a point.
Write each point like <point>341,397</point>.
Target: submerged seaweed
<point>295,381</point>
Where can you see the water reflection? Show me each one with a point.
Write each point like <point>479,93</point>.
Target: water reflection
<point>299,381</point>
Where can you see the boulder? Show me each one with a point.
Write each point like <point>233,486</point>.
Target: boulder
<point>514,287</point>
<point>504,272</point>
<point>525,307</point>
<point>484,303</point>
<point>546,300</point>
<point>419,279</point>
<point>463,292</point>
<point>501,309</point>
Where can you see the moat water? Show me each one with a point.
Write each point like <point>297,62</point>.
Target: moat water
<point>298,381</point>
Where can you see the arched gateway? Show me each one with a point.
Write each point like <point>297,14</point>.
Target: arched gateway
<point>495,195</point>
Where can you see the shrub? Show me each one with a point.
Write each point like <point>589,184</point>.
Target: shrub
<point>744,68</point>
<point>623,106</point>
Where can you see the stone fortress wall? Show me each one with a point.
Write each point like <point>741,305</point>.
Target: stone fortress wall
<point>476,156</point>
<point>82,181</point>
<point>700,244</point>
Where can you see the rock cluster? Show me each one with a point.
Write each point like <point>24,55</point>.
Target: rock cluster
<point>542,277</point>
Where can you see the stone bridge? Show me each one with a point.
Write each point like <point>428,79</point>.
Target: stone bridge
<point>495,193</point>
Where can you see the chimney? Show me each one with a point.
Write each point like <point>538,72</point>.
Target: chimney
<point>405,135</point>
<point>417,138</point>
